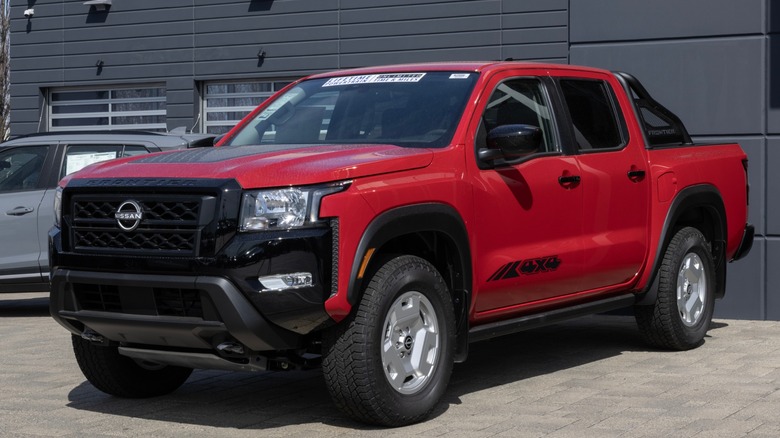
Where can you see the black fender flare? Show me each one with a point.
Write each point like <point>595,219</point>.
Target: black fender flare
<point>698,196</point>
<point>412,219</point>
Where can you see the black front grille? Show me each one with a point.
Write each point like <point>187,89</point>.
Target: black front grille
<point>169,224</point>
<point>154,301</point>
<point>139,240</point>
<point>172,210</point>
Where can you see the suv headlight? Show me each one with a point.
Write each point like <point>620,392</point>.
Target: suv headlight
<point>58,207</point>
<point>283,208</point>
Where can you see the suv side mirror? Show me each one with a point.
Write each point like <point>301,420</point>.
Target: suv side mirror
<point>511,141</point>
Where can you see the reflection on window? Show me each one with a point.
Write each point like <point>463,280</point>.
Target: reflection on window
<point>419,109</point>
<point>141,108</point>
<point>226,103</point>
<point>518,102</point>
<point>20,168</point>
<point>78,157</point>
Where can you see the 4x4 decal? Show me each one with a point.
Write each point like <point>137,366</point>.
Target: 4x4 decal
<point>526,267</point>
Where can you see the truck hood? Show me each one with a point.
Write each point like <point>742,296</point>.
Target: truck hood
<point>267,166</point>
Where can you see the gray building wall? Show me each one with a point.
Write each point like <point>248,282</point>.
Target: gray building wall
<point>714,62</point>
<point>709,61</point>
<point>183,42</point>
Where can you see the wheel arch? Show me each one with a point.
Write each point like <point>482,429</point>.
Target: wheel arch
<point>433,231</point>
<point>700,206</point>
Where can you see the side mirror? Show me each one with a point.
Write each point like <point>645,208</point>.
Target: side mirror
<point>515,141</point>
<point>510,142</point>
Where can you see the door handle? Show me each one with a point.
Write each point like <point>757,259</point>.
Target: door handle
<point>569,180</point>
<point>636,175</point>
<point>19,211</point>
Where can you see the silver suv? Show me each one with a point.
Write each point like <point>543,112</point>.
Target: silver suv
<point>31,166</point>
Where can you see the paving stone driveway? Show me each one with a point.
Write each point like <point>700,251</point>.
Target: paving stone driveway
<point>587,378</point>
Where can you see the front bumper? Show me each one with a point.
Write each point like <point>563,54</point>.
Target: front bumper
<point>198,303</point>
<point>226,314</point>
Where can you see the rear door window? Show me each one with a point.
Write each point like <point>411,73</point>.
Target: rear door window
<point>593,114</point>
<point>20,168</point>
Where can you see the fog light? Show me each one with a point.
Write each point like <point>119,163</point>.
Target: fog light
<point>286,281</point>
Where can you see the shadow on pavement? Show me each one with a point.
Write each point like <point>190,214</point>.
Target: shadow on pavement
<point>276,399</point>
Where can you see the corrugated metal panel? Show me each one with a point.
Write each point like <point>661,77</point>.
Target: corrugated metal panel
<point>182,42</point>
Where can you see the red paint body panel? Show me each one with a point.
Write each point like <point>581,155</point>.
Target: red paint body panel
<point>719,166</point>
<point>605,231</point>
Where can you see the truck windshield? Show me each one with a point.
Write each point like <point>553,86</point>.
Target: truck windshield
<point>417,109</point>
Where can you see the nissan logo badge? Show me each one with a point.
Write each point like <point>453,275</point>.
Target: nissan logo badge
<point>128,215</point>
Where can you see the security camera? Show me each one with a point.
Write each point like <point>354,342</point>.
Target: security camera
<point>29,12</point>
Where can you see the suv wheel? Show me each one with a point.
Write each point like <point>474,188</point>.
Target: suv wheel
<point>681,314</point>
<point>118,375</point>
<point>390,362</point>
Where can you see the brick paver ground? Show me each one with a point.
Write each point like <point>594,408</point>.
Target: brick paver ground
<point>591,377</point>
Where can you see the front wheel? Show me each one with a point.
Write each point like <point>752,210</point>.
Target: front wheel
<point>681,315</point>
<point>389,363</point>
<point>118,375</point>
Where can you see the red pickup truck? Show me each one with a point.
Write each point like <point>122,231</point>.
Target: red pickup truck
<point>375,221</point>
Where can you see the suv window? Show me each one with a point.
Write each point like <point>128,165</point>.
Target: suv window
<point>20,168</point>
<point>518,102</point>
<point>592,114</point>
<point>78,157</point>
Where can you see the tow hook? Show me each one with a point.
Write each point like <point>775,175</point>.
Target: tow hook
<point>93,336</point>
<point>231,349</point>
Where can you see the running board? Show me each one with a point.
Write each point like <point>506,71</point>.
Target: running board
<point>526,322</point>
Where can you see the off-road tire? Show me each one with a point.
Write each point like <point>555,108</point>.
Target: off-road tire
<point>121,376</point>
<point>663,324</point>
<point>355,349</point>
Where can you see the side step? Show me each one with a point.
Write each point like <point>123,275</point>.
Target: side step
<point>526,322</point>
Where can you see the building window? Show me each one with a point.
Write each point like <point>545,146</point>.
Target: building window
<point>226,103</point>
<point>105,109</point>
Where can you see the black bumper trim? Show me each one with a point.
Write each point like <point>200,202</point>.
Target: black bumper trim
<point>747,242</point>
<point>239,318</point>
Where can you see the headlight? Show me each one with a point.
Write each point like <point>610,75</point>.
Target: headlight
<point>58,207</point>
<point>283,208</point>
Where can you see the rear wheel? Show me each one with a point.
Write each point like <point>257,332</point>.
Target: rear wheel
<point>118,375</point>
<point>681,315</point>
<point>390,362</point>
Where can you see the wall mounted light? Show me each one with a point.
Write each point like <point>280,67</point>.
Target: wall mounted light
<point>100,5</point>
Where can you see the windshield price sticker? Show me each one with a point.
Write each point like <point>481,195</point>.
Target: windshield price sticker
<point>374,79</point>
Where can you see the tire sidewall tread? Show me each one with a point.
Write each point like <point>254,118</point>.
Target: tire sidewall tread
<point>352,362</point>
<point>660,324</point>
<point>121,376</point>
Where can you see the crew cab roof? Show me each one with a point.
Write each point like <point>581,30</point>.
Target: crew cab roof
<point>471,66</point>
